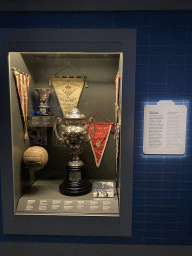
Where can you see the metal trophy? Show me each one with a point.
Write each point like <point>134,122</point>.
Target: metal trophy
<point>44,96</point>
<point>74,135</point>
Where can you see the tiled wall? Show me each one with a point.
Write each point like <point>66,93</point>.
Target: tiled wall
<point>162,203</point>
<point>162,185</point>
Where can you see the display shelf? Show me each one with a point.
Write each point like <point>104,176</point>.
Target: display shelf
<point>40,121</point>
<point>44,198</point>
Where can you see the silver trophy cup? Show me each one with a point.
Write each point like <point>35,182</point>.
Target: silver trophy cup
<point>74,135</point>
<point>43,108</point>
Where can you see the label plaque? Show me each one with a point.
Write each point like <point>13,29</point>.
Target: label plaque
<point>164,128</point>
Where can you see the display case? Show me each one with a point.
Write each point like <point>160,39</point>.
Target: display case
<point>71,116</point>
<point>37,192</point>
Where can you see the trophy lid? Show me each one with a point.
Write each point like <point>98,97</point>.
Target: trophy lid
<point>74,113</point>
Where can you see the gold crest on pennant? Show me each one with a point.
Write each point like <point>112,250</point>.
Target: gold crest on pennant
<point>68,90</point>
<point>98,143</point>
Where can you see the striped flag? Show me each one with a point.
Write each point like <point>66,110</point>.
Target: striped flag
<point>22,82</point>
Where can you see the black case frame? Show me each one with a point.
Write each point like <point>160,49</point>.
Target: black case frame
<point>70,40</point>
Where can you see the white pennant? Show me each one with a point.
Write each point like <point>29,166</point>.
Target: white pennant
<point>68,92</point>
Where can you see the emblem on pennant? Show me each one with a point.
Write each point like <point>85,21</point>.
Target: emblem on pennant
<point>98,144</point>
<point>68,90</point>
<point>99,141</point>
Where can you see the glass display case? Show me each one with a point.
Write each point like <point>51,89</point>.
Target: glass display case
<point>67,133</point>
<point>68,105</point>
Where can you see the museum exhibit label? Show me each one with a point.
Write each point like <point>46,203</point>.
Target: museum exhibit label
<point>164,128</point>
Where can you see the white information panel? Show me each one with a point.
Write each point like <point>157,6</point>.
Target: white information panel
<point>164,128</point>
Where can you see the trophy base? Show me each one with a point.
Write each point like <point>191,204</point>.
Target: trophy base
<point>75,188</point>
<point>37,113</point>
<point>75,185</point>
<point>43,110</point>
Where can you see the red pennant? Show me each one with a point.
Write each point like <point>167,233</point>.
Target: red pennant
<point>99,141</point>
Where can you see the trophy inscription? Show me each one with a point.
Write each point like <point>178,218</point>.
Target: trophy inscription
<point>74,135</point>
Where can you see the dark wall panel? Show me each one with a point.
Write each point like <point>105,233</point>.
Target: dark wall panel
<point>162,186</point>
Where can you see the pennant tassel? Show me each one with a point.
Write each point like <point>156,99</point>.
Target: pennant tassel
<point>112,128</point>
<point>26,136</point>
<point>117,88</point>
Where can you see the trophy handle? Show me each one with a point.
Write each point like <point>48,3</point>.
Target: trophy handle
<point>57,122</point>
<point>92,120</point>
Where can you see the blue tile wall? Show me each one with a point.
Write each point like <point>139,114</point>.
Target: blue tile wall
<point>162,185</point>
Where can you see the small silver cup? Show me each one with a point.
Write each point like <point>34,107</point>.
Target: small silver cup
<point>44,93</point>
